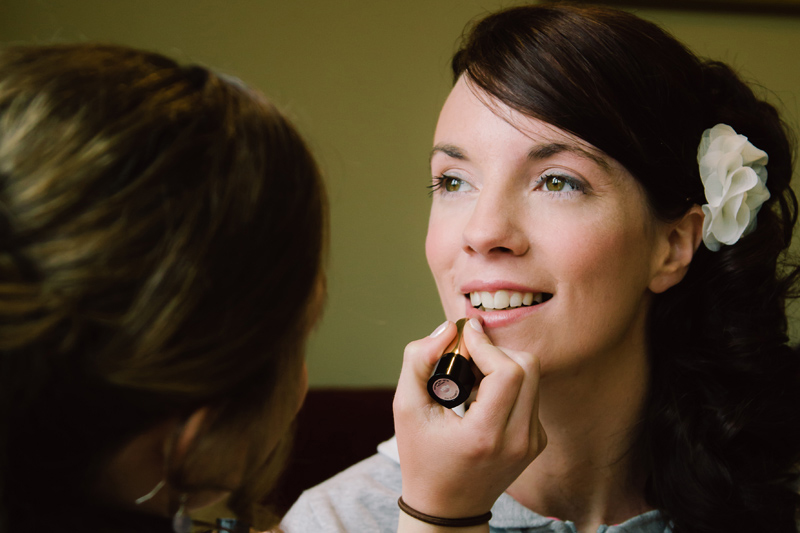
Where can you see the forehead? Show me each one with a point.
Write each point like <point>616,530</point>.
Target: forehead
<point>469,108</point>
<point>472,116</point>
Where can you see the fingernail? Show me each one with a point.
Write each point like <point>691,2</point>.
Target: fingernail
<point>438,331</point>
<point>476,325</point>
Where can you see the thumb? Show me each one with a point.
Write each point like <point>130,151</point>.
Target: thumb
<point>419,359</point>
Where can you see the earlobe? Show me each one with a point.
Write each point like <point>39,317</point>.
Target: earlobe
<point>681,242</point>
<point>190,430</point>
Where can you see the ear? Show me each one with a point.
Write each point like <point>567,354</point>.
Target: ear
<point>136,471</point>
<point>681,240</point>
<point>190,430</point>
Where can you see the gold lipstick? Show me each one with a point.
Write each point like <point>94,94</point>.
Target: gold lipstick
<point>452,379</point>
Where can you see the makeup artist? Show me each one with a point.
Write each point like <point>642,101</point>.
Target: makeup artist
<point>148,214</point>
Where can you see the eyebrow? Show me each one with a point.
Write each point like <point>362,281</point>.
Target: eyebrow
<point>449,150</point>
<point>541,151</point>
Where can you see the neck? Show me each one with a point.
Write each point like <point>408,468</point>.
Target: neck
<point>589,473</point>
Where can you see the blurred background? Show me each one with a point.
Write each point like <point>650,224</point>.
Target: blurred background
<point>364,81</point>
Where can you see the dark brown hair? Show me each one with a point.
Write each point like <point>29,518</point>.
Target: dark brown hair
<point>162,233</point>
<point>721,436</point>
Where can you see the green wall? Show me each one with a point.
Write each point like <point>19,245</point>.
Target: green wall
<point>364,80</point>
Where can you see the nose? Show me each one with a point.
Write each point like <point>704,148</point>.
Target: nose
<point>494,227</point>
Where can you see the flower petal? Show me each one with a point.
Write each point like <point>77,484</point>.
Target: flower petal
<point>710,241</point>
<point>740,181</point>
<point>752,155</point>
<point>730,220</point>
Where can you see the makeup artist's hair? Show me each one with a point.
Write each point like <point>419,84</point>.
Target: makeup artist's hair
<point>162,235</point>
<point>721,435</point>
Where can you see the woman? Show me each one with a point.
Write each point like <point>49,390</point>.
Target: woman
<point>620,209</point>
<point>162,244</point>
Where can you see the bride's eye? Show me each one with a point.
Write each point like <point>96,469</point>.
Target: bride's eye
<point>449,184</point>
<point>452,184</point>
<point>560,183</point>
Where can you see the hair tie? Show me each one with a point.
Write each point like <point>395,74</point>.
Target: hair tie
<point>444,522</point>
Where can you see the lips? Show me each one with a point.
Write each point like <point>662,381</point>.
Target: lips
<point>506,299</point>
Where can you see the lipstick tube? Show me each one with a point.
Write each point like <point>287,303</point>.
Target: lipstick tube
<point>452,379</point>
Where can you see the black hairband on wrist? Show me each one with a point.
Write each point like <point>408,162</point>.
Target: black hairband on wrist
<point>444,522</point>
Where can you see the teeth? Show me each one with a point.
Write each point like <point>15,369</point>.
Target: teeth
<point>475,298</point>
<point>504,299</point>
<point>501,299</point>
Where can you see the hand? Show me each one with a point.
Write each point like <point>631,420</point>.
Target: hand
<point>455,467</point>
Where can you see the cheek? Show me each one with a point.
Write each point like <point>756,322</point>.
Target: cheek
<point>608,262</point>
<point>438,245</point>
<point>442,246</point>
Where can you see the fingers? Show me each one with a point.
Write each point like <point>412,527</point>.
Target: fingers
<point>420,356</point>
<point>503,377</point>
<point>508,395</point>
<point>508,392</point>
<point>419,359</point>
<point>441,453</point>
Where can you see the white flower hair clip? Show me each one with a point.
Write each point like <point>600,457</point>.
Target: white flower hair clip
<point>735,180</point>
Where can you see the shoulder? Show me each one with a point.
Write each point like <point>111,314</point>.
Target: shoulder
<point>361,498</point>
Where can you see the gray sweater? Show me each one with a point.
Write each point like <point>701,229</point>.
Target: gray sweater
<point>363,499</point>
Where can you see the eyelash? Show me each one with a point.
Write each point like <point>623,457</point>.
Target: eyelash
<point>439,183</point>
<point>576,185</point>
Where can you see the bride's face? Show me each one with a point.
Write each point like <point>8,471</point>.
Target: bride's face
<point>545,238</point>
